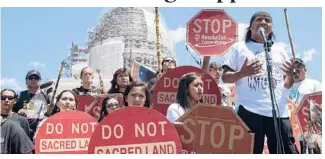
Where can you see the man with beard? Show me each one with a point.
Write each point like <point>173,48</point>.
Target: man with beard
<point>32,103</point>
<point>167,63</point>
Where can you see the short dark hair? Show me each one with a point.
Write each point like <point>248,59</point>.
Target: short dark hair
<point>11,90</point>
<point>182,92</point>
<point>138,84</point>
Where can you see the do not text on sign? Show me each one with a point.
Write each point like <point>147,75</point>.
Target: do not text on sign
<point>65,133</point>
<point>147,132</point>
<point>166,88</point>
<point>211,32</point>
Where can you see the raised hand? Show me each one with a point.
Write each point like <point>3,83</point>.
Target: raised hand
<point>250,69</point>
<point>288,67</point>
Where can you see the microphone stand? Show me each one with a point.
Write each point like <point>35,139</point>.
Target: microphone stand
<point>267,47</point>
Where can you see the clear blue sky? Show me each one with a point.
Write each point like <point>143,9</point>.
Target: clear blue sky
<point>44,35</point>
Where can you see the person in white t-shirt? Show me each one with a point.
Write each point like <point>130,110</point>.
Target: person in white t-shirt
<point>302,85</point>
<point>245,66</point>
<point>190,92</point>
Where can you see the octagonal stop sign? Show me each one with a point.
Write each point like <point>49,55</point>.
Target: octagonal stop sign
<point>211,32</point>
<point>214,129</point>
<point>302,113</point>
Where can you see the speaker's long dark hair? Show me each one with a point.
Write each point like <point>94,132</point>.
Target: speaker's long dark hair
<point>182,93</point>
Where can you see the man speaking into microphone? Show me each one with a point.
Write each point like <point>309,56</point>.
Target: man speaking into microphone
<point>245,65</point>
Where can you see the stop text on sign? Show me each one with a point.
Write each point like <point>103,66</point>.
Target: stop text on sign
<point>217,138</point>
<point>208,26</point>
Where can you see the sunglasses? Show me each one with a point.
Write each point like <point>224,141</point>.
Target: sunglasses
<point>35,78</point>
<point>115,105</point>
<point>7,97</point>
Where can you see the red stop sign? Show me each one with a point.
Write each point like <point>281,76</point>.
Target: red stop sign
<point>65,133</point>
<point>93,104</point>
<point>146,132</point>
<point>302,112</point>
<point>214,129</point>
<point>211,32</point>
<point>166,88</point>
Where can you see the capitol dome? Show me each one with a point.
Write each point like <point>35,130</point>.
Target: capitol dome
<point>136,28</point>
<point>121,33</point>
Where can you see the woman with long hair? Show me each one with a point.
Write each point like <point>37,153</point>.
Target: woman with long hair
<point>109,105</point>
<point>65,101</point>
<point>137,94</point>
<point>190,92</point>
<point>121,78</point>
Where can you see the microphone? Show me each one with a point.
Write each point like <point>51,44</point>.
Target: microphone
<point>261,31</point>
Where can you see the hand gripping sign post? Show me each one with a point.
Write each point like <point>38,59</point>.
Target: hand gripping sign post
<point>302,112</point>
<point>92,104</point>
<point>214,129</point>
<point>211,32</point>
<point>166,88</point>
<point>135,130</point>
<point>65,133</point>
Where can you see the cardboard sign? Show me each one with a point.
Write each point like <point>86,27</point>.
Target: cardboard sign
<point>214,129</point>
<point>93,104</point>
<point>65,133</point>
<point>302,112</point>
<point>211,32</point>
<point>135,130</point>
<point>166,88</point>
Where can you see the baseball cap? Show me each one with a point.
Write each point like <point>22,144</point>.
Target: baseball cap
<point>33,72</point>
<point>300,61</point>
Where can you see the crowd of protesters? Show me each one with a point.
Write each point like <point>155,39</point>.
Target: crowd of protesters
<point>22,114</point>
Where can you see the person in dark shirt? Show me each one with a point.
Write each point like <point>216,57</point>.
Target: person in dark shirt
<point>8,99</point>
<point>13,138</point>
<point>32,103</point>
<point>121,78</point>
<point>86,76</point>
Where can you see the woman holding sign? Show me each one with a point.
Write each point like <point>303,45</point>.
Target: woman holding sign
<point>190,92</point>
<point>137,94</point>
<point>65,101</point>
<point>109,105</point>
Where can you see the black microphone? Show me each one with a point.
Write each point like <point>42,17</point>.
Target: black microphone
<point>261,31</point>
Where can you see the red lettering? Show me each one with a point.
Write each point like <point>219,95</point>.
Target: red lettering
<point>43,145</point>
<point>99,151</point>
<point>155,150</point>
<point>123,151</point>
<point>115,149</point>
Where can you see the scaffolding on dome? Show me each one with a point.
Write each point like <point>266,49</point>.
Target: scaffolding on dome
<point>137,27</point>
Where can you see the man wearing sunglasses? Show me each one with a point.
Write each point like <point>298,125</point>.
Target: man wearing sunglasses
<point>168,63</point>
<point>8,99</point>
<point>32,102</point>
<point>14,128</point>
<point>302,85</point>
